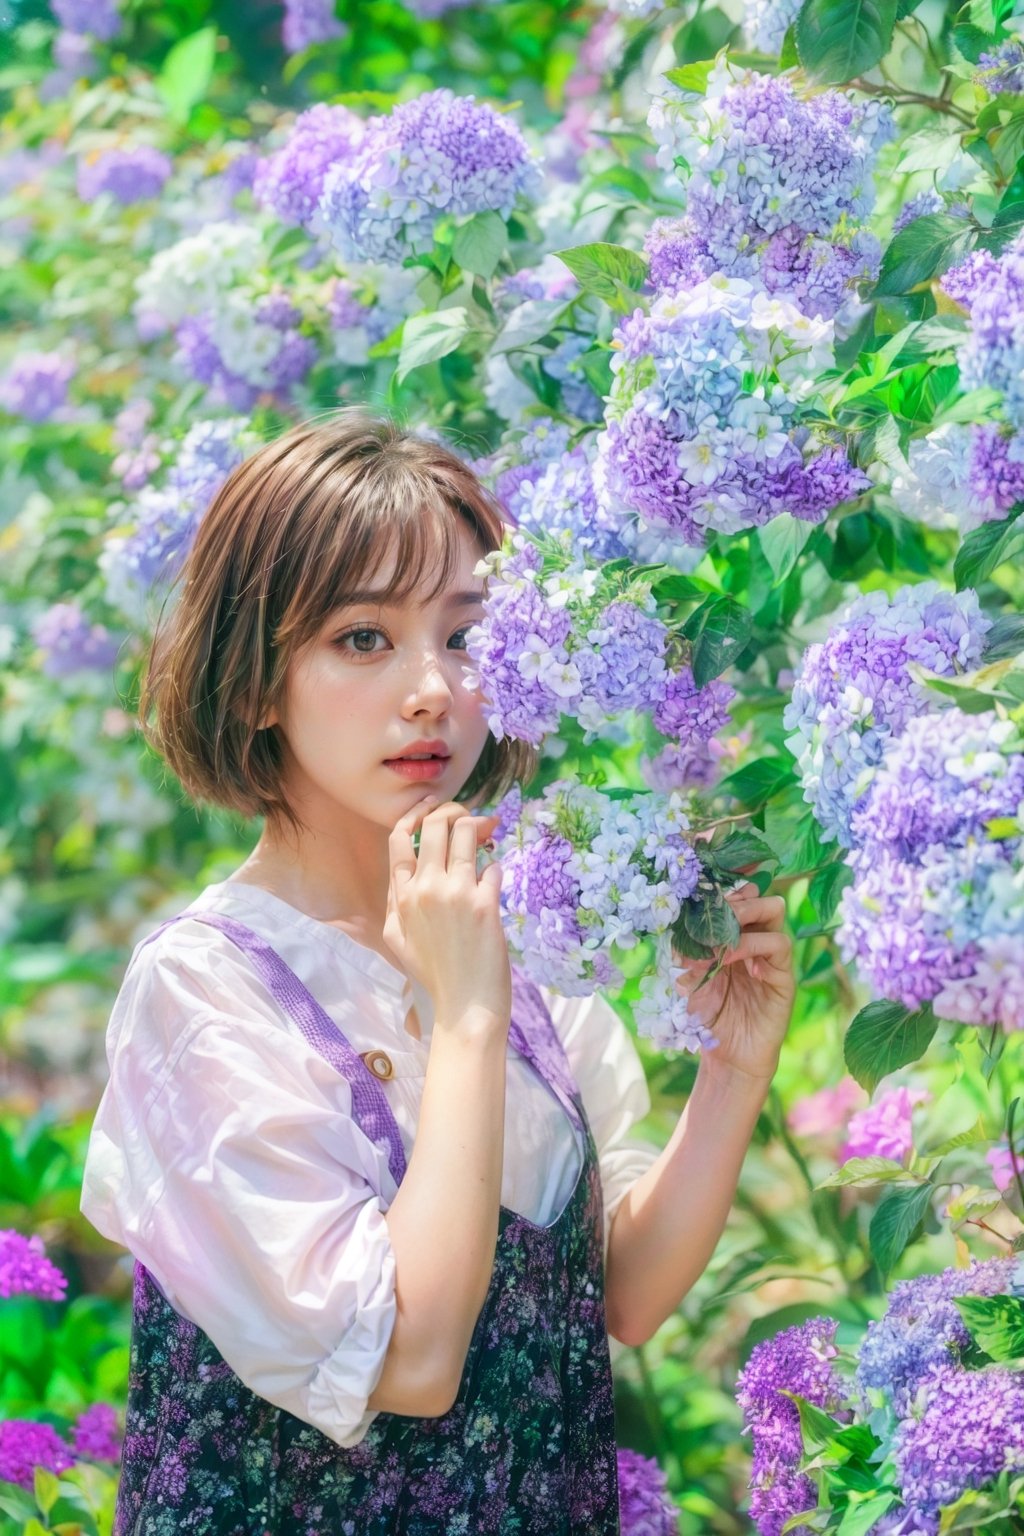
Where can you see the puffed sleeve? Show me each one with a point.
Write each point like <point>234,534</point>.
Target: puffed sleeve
<point>229,1163</point>
<point>610,1075</point>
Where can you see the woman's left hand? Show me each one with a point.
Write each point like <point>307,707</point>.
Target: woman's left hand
<point>747,1005</point>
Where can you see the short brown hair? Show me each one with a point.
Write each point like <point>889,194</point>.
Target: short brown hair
<point>304,520</point>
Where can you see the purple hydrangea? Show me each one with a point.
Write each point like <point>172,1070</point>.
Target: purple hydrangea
<point>801,1360</point>
<point>97,18</point>
<point>290,181</point>
<point>922,1329</point>
<point>95,1434</point>
<point>969,1430</point>
<point>35,386</point>
<point>25,1445</point>
<point>128,175</point>
<point>854,690</point>
<point>71,642</point>
<point>246,347</point>
<point>1002,70</point>
<point>689,444</point>
<point>308,22</point>
<point>439,154</point>
<point>645,1507</point>
<point>26,1271</point>
<point>936,907</point>
<point>167,517</point>
<point>884,1128</point>
<point>559,497</point>
<point>777,185</point>
<point>766,22</point>
<point>961,476</point>
<point>992,357</point>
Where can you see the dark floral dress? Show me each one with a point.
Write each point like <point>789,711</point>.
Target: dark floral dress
<point>528,1449</point>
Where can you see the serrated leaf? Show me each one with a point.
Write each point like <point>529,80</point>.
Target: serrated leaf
<point>425,338</point>
<point>782,541</point>
<point>719,630</point>
<point>478,245</point>
<point>884,1036</point>
<point>611,272</point>
<point>186,72</point>
<point>924,249</point>
<point>866,1172</point>
<point>710,920</point>
<point>738,849</point>
<point>996,1324</point>
<point>893,1224</point>
<point>838,39</point>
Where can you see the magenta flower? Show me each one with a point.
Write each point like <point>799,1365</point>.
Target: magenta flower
<point>95,1434</point>
<point>25,1445</point>
<point>645,1508</point>
<point>26,1271</point>
<point>884,1129</point>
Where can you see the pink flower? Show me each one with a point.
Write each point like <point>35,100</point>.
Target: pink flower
<point>95,1434</point>
<point>827,1110</point>
<point>25,1270</point>
<point>25,1445</point>
<point>1001,1163</point>
<point>884,1129</point>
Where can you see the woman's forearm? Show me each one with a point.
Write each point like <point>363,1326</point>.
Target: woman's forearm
<point>665,1229</point>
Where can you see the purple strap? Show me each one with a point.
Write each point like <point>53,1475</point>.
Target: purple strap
<point>372,1112</point>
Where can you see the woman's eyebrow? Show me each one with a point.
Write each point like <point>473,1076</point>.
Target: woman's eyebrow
<point>454,599</point>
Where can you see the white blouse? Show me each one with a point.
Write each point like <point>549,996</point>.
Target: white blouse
<point>225,1157</point>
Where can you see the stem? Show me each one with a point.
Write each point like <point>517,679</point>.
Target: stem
<point>937,103</point>
<point>976,1221</point>
<point>655,1417</point>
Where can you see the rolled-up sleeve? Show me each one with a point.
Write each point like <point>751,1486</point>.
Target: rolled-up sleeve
<point>610,1076</point>
<point>225,1157</point>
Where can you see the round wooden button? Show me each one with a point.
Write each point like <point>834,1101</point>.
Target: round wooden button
<point>379,1063</point>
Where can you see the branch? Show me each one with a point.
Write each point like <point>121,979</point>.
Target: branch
<point>937,103</point>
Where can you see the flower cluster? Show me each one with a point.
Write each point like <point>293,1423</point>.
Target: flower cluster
<point>645,1508</point>
<point>93,18</point>
<point>307,22</point>
<point>826,1111</point>
<point>166,517</point>
<point>128,175</point>
<point>439,154</point>
<point>799,1360</point>
<point>854,690</point>
<point>245,346</point>
<point>35,386</point>
<point>950,1428</point>
<point>585,873</point>
<point>936,908</point>
<point>561,637</point>
<point>778,185</point>
<point>703,431</point>
<point>1001,72</point>
<point>195,275</point>
<point>961,476</point>
<point>290,181</point>
<point>71,642</point>
<point>992,291</point>
<point>26,1271</point>
<point>25,1445</point>
<point>766,23</point>
<point>883,1129</point>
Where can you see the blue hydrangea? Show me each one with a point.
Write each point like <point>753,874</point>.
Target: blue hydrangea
<point>128,175</point>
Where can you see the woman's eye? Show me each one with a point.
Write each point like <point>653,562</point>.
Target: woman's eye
<point>358,636</point>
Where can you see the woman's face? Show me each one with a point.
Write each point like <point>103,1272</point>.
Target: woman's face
<point>376,680</point>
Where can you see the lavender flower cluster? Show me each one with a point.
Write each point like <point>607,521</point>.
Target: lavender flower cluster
<point>1001,71</point>
<point>936,908</point>
<point>562,637</point>
<point>439,154</point>
<point>128,175</point>
<point>801,1360</point>
<point>961,476</point>
<point>991,289</point>
<point>854,691</point>
<point>645,1507</point>
<point>248,345</point>
<point>290,181</point>
<point>953,1429</point>
<point>308,22</point>
<point>35,386</point>
<point>166,517</point>
<point>70,642</point>
<point>703,432</point>
<point>584,874</point>
<point>778,187</point>
<point>26,1271</point>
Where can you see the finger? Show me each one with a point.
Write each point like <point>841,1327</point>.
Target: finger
<point>746,892</point>
<point>400,844</point>
<point>764,913</point>
<point>435,834</point>
<point>775,949</point>
<point>463,845</point>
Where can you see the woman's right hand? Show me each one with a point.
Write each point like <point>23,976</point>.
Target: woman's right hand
<point>443,921</point>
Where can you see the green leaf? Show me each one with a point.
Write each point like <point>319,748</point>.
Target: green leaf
<point>974,1133</point>
<point>425,338</point>
<point>528,323</point>
<point>187,71</point>
<point>1006,637</point>
<point>925,248</point>
<point>817,1428</point>
<point>827,885</point>
<point>719,629</point>
<point>479,244</point>
<point>985,548</point>
<point>709,921</point>
<point>757,781</point>
<point>858,1518</point>
<point>837,39</point>
<point>867,1172</point>
<point>47,1489</point>
<point>692,77</point>
<point>996,1324</point>
<point>782,541</point>
<point>611,272</point>
<point>885,1036</point>
<point>736,850</point>
<point>894,1223</point>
